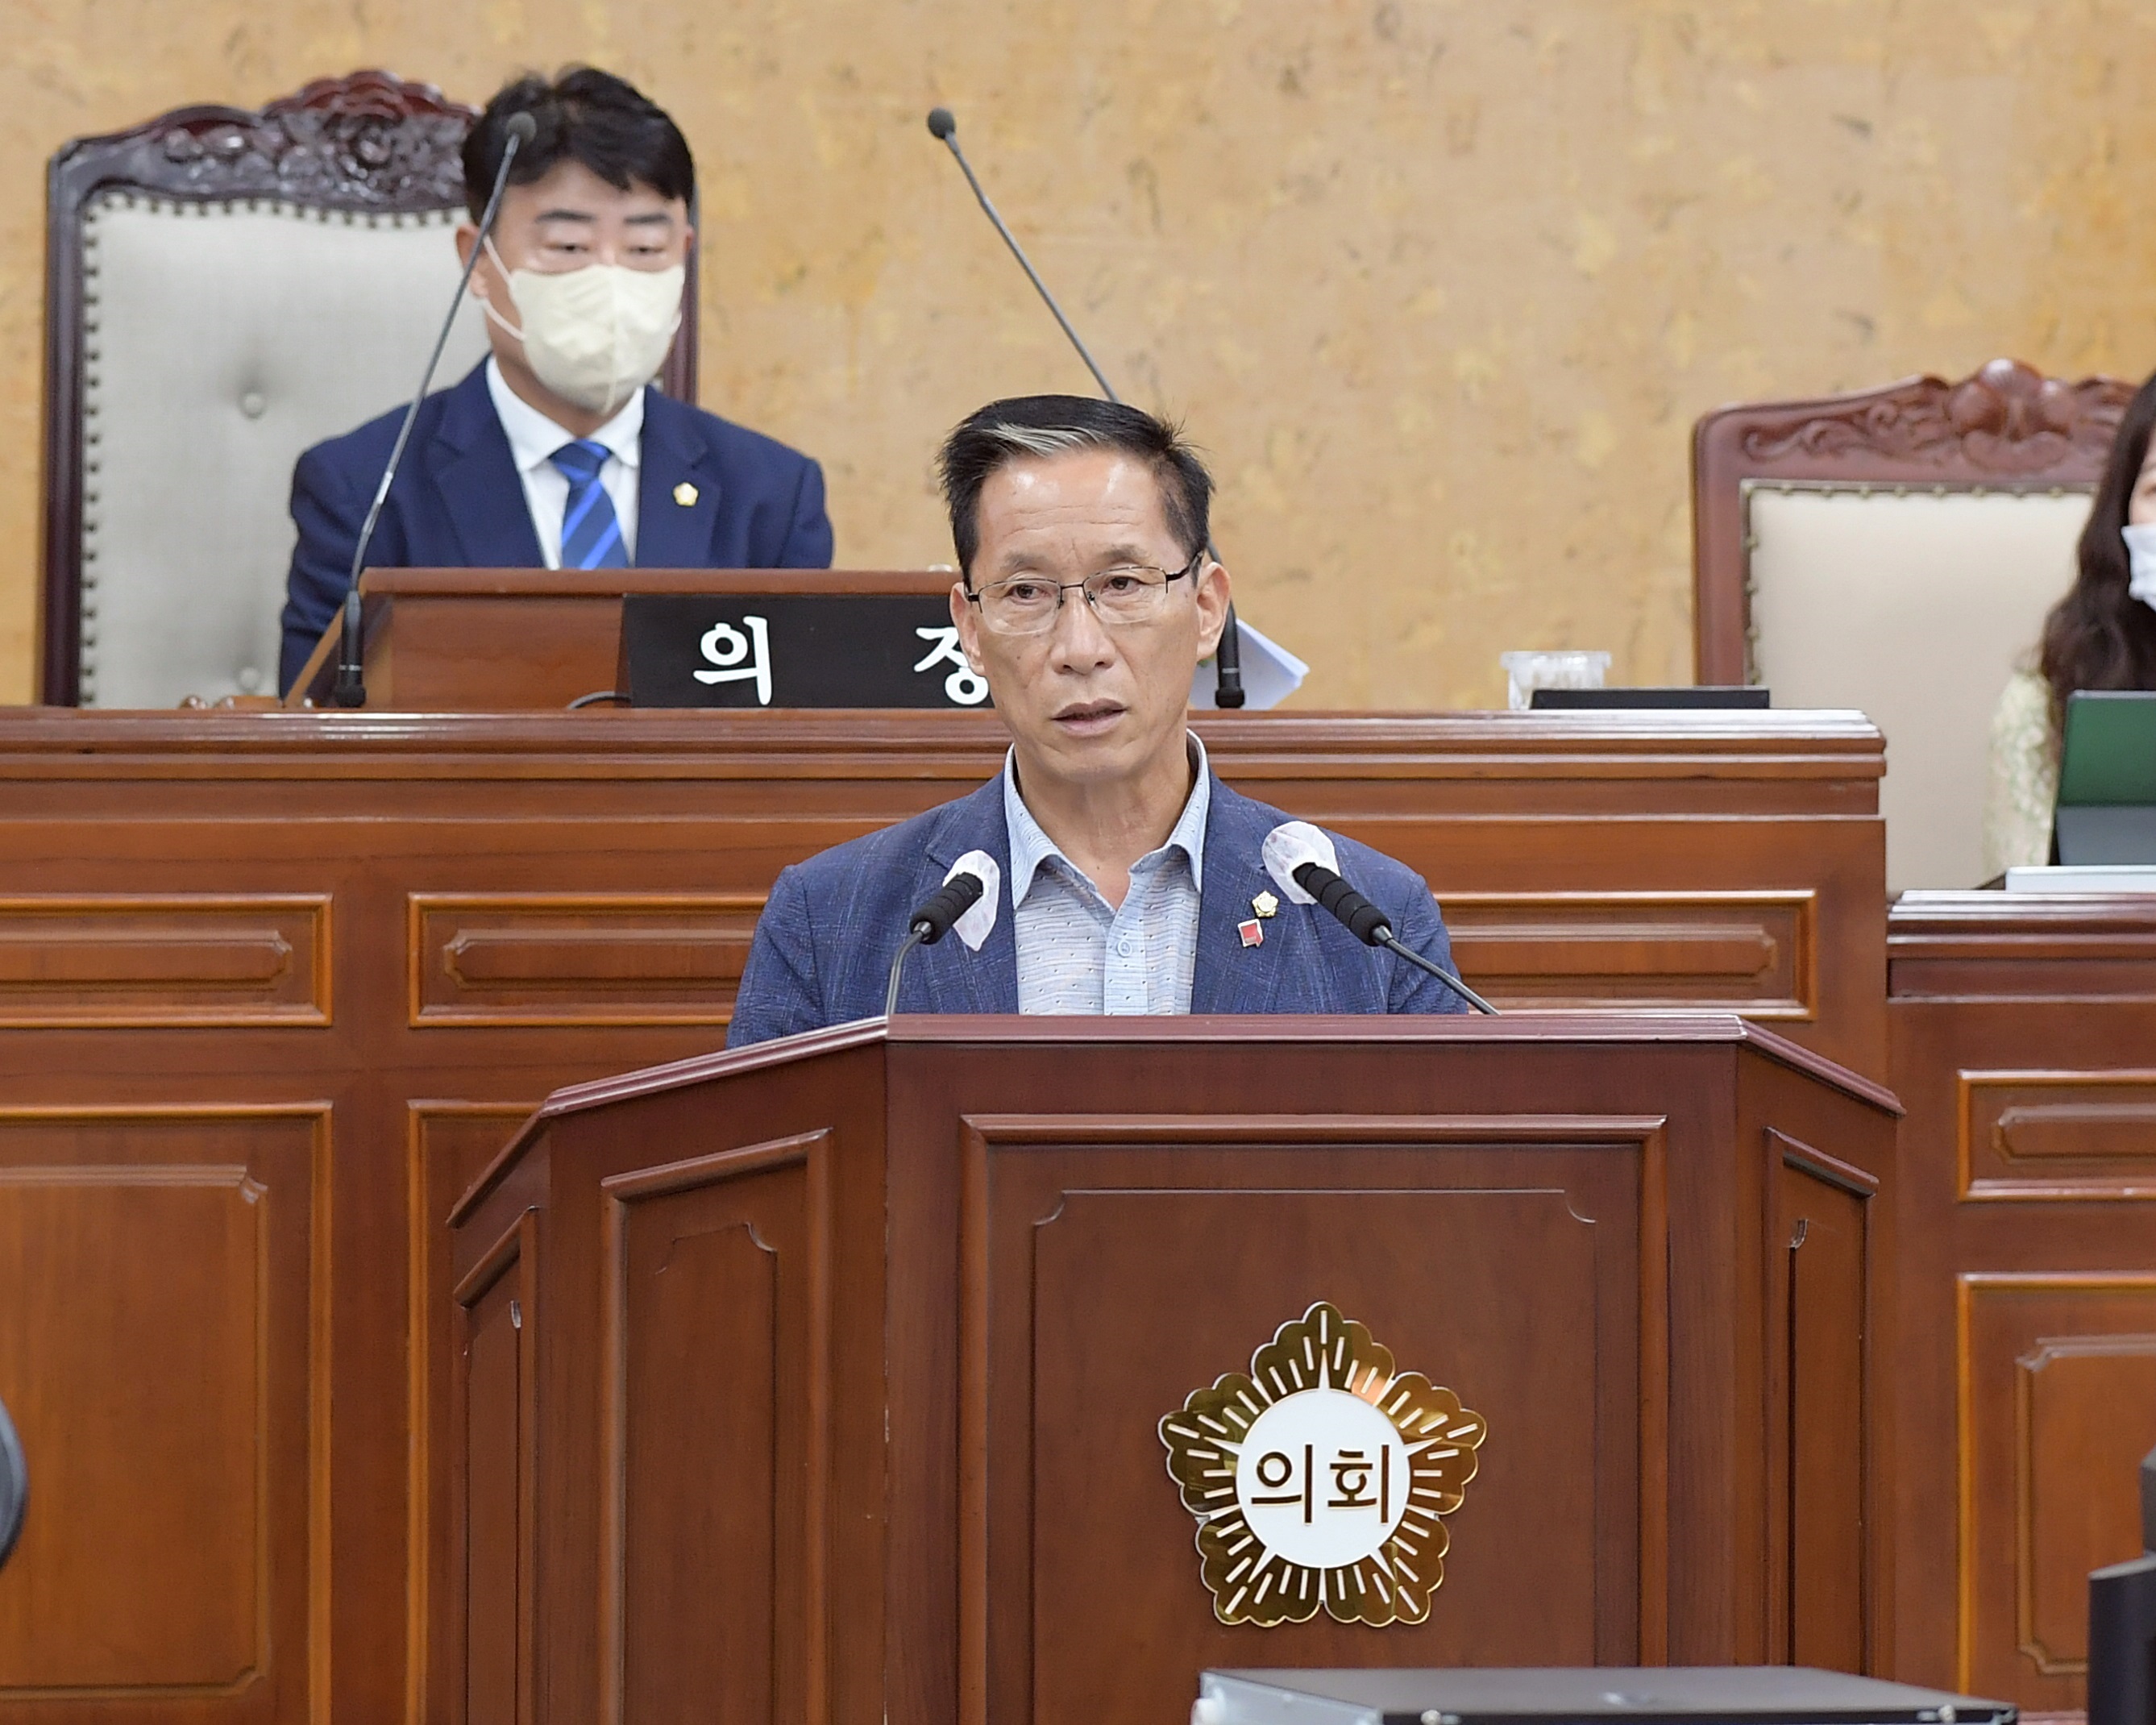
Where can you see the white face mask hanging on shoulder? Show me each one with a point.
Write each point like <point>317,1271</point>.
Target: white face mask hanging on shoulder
<point>593,336</point>
<point>2141,555</point>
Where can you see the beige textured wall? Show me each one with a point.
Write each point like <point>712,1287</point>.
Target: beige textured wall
<point>1440,283</point>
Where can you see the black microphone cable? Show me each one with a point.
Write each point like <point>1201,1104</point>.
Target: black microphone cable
<point>1228,656</point>
<point>1374,928</point>
<point>350,689</point>
<point>931,923</point>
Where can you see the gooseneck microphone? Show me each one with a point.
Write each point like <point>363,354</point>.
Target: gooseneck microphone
<point>1374,928</point>
<point>350,689</point>
<point>1228,656</point>
<point>931,922</point>
<point>1304,864</point>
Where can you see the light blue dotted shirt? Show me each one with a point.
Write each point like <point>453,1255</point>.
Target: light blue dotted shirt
<point>1075,954</point>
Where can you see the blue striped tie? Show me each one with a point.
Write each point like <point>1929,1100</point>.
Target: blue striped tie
<point>590,536</point>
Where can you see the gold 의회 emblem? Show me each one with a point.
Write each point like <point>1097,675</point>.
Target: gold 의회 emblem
<point>684,493</point>
<point>1318,1479</point>
<point>1265,904</point>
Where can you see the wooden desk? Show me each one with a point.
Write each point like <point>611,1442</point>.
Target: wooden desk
<point>519,640</point>
<point>274,986</point>
<point>2024,1051</point>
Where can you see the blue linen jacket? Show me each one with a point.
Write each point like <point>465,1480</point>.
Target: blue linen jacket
<point>824,946</point>
<point>458,502</point>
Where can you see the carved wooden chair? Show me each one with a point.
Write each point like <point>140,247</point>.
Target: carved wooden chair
<point>224,287</point>
<point>1896,551</point>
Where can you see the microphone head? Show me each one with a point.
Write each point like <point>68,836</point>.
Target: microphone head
<point>941,123</point>
<point>964,905</point>
<point>523,128</point>
<point>1288,847</point>
<point>979,916</point>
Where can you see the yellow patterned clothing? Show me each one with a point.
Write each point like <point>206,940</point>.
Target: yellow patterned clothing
<point>2025,776</point>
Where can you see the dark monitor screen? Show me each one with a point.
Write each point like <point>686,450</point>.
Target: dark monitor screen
<point>1688,695</point>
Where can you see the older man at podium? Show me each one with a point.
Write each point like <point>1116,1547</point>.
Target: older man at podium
<point>1118,873</point>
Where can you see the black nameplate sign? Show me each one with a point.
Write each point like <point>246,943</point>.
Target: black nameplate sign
<point>793,650</point>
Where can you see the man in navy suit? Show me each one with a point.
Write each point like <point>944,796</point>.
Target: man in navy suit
<point>556,452</point>
<point>1122,875</point>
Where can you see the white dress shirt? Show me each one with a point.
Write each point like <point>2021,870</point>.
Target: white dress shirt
<point>1075,954</point>
<point>533,438</point>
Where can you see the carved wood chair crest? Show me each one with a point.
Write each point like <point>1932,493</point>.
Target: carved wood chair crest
<point>370,140</point>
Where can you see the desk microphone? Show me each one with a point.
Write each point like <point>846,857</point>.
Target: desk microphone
<point>350,689</point>
<point>1304,865</point>
<point>1228,656</point>
<point>964,888</point>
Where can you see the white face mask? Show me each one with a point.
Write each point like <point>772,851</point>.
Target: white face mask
<point>597,334</point>
<point>2141,555</point>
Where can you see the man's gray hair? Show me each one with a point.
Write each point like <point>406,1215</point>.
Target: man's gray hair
<point>1037,427</point>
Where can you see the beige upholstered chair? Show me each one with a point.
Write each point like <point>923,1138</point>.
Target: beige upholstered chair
<point>1896,551</point>
<point>225,288</point>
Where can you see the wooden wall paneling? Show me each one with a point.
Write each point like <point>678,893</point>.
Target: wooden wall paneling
<point>1082,1232</point>
<point>599,838</point>
<point>122,961</point>
<point>2025,1136</point>
<point>494,1382</point>
<point>1753,952</point>
<point>1821,1184</point>
<point>163,1348</point>
<point>1821,1300</point>
<point>716,1462</point>
<point>1602,810</point>
<point>2057,1399</point>
<point>449,1144</point>
<point>578,958</point>
<point>2022,1026</point>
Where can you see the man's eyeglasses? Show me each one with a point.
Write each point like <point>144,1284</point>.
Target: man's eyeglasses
<point>1127,593</point>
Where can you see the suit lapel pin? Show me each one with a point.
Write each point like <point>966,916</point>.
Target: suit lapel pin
<point>1265,904</point>
<point>684,493</point>
<point>1252,931</point>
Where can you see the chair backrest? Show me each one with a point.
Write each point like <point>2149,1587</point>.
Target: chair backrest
<point>224,287</point>
<point>1896,552</point>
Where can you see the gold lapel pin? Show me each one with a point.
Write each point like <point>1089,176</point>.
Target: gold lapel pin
<point>1265,904</point>
<point>684,493</point>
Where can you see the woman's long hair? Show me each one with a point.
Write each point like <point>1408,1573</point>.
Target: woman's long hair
<point>2099,636</point>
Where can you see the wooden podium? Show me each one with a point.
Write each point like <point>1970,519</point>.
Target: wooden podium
<point>823,1381</point>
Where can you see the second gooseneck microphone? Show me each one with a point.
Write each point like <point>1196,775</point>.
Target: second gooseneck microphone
<point>1228,656</point>
<point>350,689</point>
<point>1374,928</point>
<point>1304,864</point>
<point>931,922</point>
